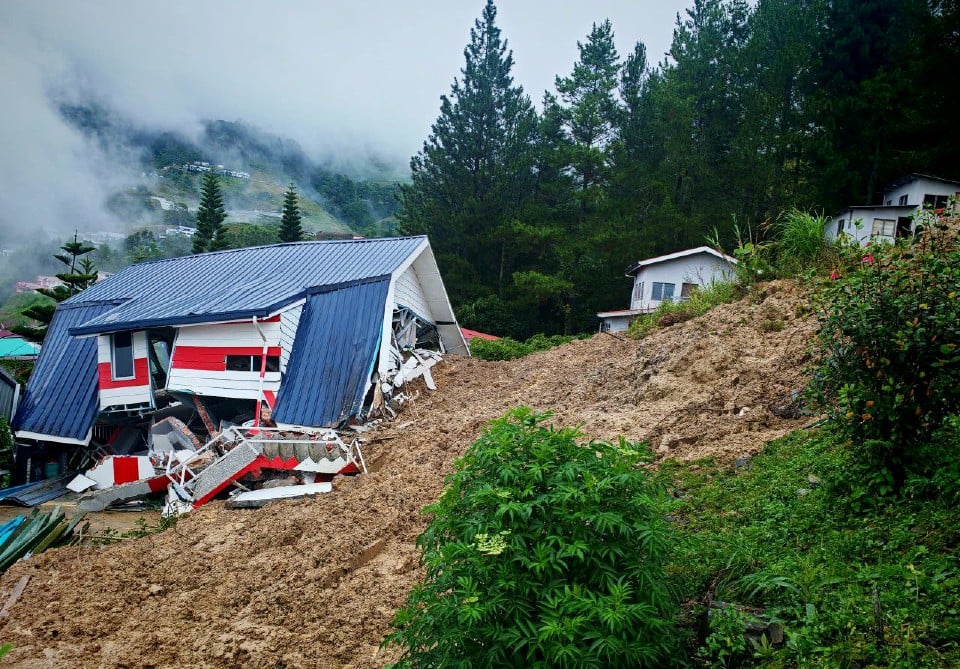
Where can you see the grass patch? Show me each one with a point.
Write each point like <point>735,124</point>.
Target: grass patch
<point>853,584</point>
<point>671,313</point>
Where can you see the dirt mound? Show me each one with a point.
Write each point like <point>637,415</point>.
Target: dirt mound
<point>315,583</point>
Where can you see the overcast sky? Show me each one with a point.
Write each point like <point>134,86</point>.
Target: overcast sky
<point>334,75</point>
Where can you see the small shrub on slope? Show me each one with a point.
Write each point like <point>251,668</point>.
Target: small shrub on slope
<point>506,348</point>
<point>542,552</point>
<point>889,351</point>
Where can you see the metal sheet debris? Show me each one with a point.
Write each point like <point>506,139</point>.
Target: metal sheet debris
<point>257,498</point>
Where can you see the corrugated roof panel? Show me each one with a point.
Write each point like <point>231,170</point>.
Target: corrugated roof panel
<point>61,397</point>
<point>36,493</point>
<point>236,283</point>
<point>333,353</point>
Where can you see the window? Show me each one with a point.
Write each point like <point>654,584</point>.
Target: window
<point>935,201</point>
<point>251,363</point>
<point>688,289</point>
<point>662,291</point>
<point>121,345</point>
<point>637,291</point>
<point>903,200</point>
<point>839,227</point>
<point>884,227</point>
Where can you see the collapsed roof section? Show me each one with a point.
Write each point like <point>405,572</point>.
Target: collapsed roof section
<point>334,354</point>
<point>343,294</point>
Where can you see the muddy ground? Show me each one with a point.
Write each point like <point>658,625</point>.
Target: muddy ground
<point>315,583</point>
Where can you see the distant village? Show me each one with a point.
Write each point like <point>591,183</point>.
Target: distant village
<point>203,166</point>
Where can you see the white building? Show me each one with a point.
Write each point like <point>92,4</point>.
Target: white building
<point>671,277</point>
<point>893,218</point>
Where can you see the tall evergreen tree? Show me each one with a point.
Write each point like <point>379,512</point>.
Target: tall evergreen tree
<point>80,275</point>
<point>474,170</point>
<point>590,107</point>
<point>210,234</point>
<point>291,226</point>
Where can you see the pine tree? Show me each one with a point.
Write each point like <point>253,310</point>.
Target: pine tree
<point>475,168</point>
<point>590,106</point>
<point>291,227</point>
<point>81,275</point>
<point>210,235</point>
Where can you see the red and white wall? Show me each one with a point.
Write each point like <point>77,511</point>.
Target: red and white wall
<point>117,393</point>
<point>198,364</point>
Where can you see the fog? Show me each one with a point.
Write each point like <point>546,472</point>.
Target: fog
<point>343,79</point>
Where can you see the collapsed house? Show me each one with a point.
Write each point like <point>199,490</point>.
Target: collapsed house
<point>200,371</point>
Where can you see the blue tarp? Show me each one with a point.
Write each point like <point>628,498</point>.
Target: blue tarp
<point>61,399</point>
<point>337,341</point>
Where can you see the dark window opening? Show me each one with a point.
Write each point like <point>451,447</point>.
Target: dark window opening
<point>903,200</point>
<point>935,201</point>
<point>122,345</point>
<point>839,227</point>
<point>251,363</point>
<point>904,226</point>
<point>688,289</point>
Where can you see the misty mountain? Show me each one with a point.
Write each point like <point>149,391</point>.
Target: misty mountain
<point>358,197</point>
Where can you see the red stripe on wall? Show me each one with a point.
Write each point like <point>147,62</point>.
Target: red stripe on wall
<point>140,369</point>
<point>213,358</point>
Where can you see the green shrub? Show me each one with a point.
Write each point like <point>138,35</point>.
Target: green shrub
<point>506,348</point>
<point>889,350</point>
<point>542,552</point>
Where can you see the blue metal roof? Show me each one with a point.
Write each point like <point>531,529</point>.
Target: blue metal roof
<point>238,283</point>
<point>337,341</point>
<point>36,493</point>
<point>61,399</point>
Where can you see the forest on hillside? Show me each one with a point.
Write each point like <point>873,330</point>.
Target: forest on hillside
<point>536,212</point>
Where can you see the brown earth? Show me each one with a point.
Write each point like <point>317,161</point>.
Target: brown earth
<point>315,583</point>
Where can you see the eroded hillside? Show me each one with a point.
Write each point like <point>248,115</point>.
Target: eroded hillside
<point>315,583</point>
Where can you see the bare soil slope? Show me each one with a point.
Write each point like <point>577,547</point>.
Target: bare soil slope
<point>315,583</point>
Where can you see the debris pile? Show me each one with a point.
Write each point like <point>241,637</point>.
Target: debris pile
<point>704,388</point>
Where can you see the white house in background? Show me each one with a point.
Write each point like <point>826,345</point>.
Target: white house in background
<point>893,218</point>
<point>666,278</point>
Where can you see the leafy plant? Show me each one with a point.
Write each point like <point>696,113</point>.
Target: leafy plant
<point>888,371</point>
<point>543,551</point>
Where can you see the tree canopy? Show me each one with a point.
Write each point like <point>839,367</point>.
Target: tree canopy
<point>755,110</point>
